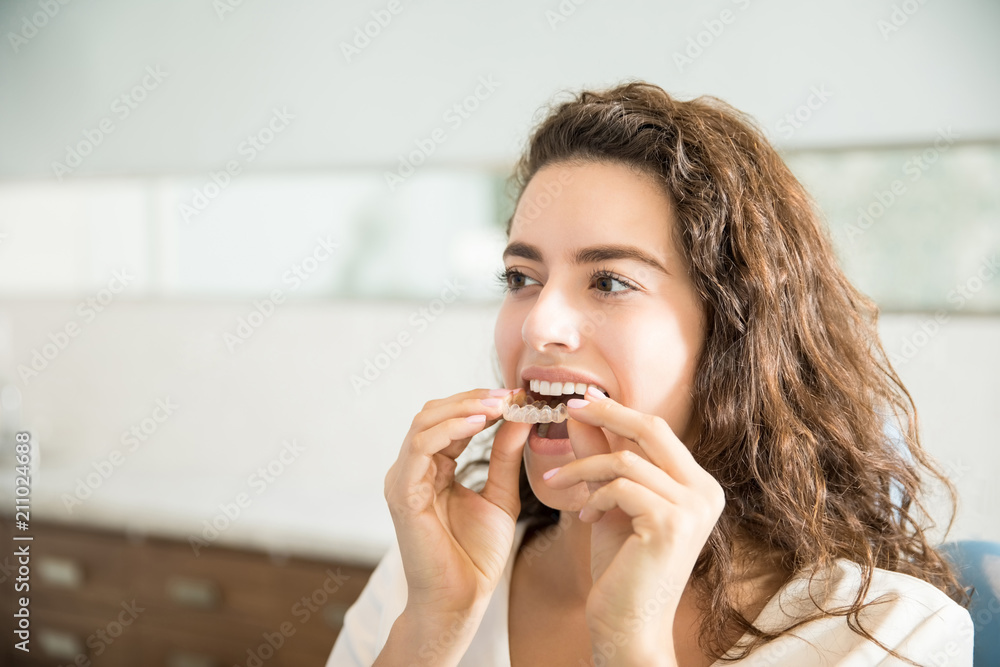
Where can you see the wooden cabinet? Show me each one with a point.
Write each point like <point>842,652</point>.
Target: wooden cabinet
<point>100,598</point>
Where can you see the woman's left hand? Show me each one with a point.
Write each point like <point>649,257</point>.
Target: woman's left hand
<point>651,518</point>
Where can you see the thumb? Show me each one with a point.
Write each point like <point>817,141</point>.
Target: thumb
<point>505,467</point>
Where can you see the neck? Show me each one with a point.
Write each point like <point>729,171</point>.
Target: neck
<point>560,554</point>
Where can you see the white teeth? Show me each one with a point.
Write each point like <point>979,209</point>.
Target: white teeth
<point>560,388</point>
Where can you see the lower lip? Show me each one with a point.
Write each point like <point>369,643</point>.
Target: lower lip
<point>547,446</point>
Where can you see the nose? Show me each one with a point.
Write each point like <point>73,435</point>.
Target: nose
<point>552,322</point>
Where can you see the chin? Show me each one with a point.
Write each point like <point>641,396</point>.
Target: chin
<point>567,500</point>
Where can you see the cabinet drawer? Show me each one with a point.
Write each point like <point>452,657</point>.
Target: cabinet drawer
<point>246,587</point>
<point>169,647</point>
<point>316,597</point>
<point>217,581</point>
<point>59,639</point>
<point>72,570</point>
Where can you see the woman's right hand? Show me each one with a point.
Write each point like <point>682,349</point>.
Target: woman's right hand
<point>454,542</point>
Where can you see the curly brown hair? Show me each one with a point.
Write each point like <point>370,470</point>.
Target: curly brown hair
<point>793,390</point>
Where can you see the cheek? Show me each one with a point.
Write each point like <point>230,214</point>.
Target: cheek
<point>657,366</point>
<point>507,338</point>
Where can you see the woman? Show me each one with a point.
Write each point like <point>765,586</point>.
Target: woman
<point>723,488</point>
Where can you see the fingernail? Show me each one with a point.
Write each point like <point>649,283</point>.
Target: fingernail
<point>500,392</point>
<point>596,393</point>
<point>547,476</point>
<point>476,419</point>
<point>490,402</point>
<point>576,403</point>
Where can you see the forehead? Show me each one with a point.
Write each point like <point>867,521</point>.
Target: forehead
<point>571,205</point>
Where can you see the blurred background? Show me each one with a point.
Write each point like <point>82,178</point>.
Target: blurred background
<point>242,243</point>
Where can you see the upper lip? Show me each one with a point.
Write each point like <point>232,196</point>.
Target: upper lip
<point>559,374</point>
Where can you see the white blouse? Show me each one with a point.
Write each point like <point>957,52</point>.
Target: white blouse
<point>916,620</point>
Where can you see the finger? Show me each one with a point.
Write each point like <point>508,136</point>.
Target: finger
<point>653,435</point>
<point>440,437</point>
<point>504,471</point>
<point>412,485</point>
<point>472,393</point>
<point>492,407</point>
<point>650,512</point>
<point>605,468</point>
<point>459,405</point>
<point>488,402</point>
<point>587,441</point>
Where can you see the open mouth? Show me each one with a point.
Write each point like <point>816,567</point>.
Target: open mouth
<point>544,404</point>
<point>552,430</point>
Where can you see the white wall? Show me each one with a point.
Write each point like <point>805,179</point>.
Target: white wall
<point>225,75</point>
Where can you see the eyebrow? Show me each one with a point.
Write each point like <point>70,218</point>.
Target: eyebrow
<point>589,255</point>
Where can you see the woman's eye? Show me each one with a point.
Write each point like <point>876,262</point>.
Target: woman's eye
<point>512,280</point>
<point>607,284</point>
<point>518,280</point>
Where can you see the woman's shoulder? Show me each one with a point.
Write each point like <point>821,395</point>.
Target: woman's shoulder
<point>905,613</point>
<point>841,582</point>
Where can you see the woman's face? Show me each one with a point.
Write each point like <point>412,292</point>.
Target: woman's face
<point>585,301</point>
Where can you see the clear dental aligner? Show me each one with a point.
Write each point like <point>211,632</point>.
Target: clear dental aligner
<point>515,410</point>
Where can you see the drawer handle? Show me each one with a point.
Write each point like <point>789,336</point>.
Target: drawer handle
<point>61,572</point>
<point>333,614</point>
<point>184,659</point>
<point>200,593</point>
<point>61,645</point>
